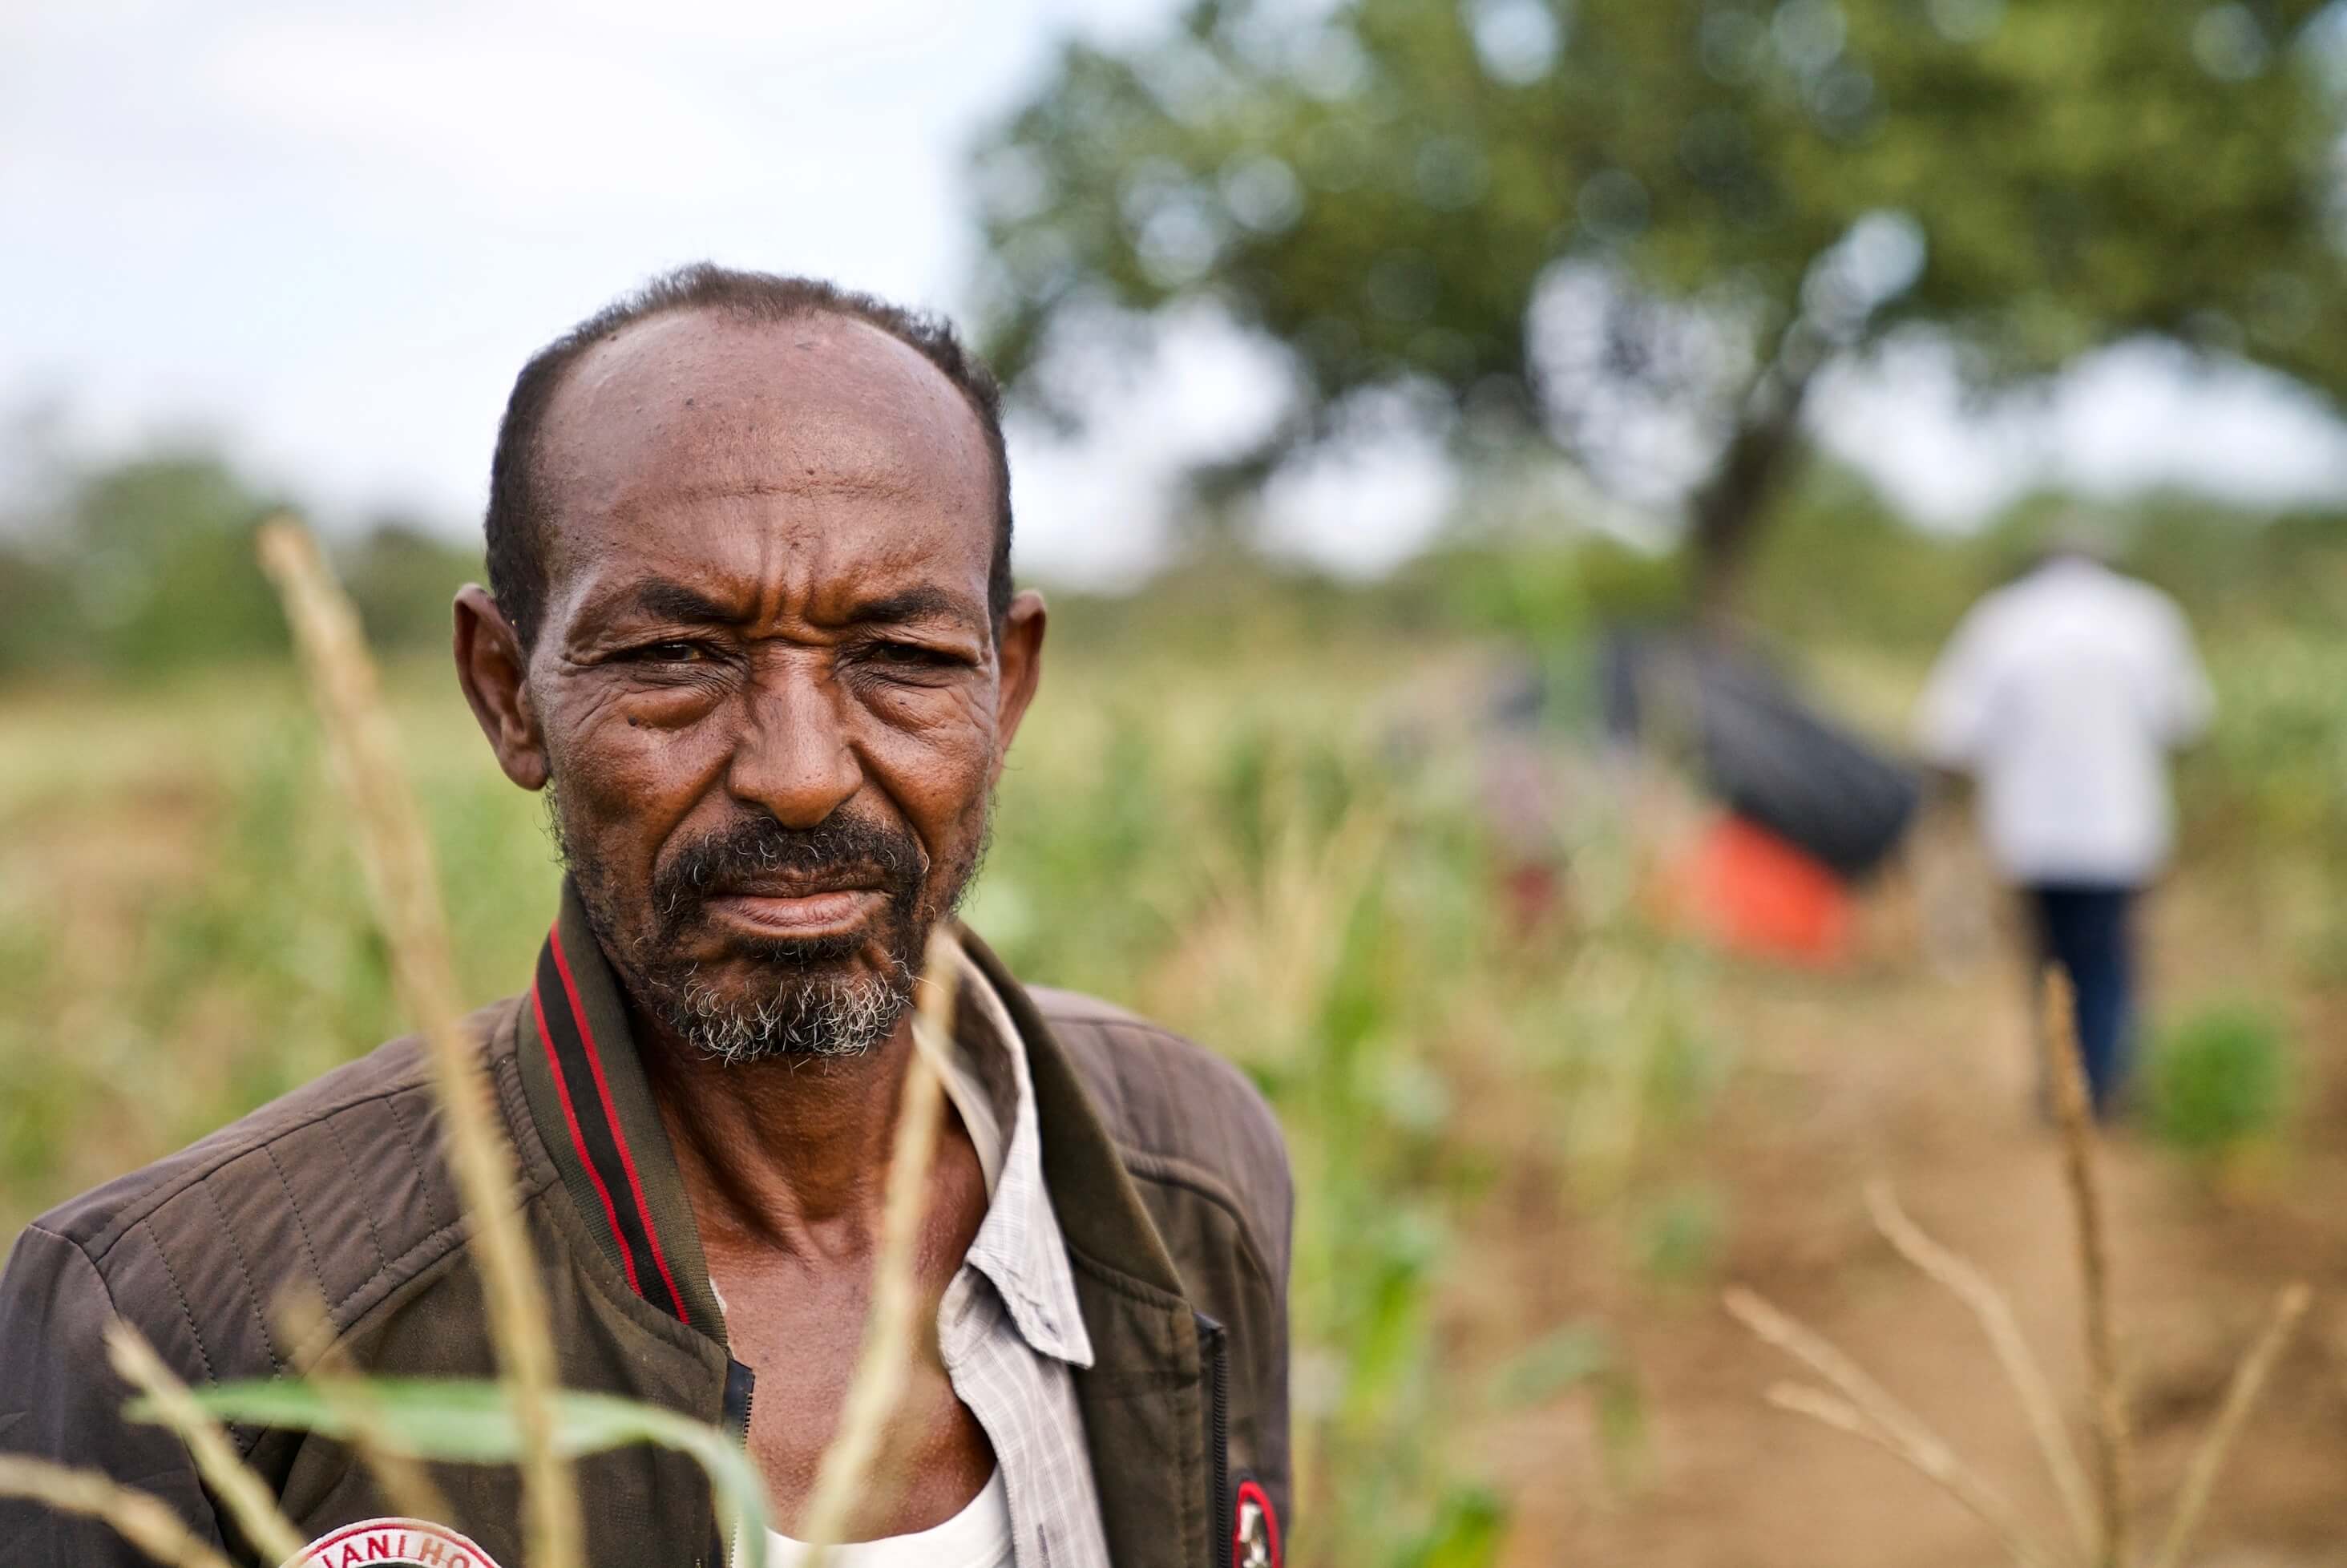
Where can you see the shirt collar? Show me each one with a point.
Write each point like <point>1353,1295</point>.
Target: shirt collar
<point>596,1115</point>
<point>1018,1246</point>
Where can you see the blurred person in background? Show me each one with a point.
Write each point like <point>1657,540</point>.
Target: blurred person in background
<point>2062,695</point>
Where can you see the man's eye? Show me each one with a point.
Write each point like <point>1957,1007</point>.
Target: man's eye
<point>910,653</point>
<point>667,653</point>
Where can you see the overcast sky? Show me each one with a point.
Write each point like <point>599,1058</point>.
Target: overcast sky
<point>331,239</point>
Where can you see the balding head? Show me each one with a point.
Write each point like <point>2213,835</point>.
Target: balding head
<point>785,348</point>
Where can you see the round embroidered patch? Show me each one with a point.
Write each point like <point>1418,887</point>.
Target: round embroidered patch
<point>1254,1536</point>
<point>394,1542</point>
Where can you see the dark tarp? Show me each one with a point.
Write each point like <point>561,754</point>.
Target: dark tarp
<point>1763,753</point>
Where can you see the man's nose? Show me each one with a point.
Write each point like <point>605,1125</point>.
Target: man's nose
<point>793,759</point>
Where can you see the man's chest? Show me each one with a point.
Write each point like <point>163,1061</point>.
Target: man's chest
<point>803,1335</point>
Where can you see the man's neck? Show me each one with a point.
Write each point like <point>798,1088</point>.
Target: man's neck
<point>791,1153</point>
<point>785,1166</point>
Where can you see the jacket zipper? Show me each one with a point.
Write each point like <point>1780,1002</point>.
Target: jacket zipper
<point>741,1388</point>
<point>1213,1348</point>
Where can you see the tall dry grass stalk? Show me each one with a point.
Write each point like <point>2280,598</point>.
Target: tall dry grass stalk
<point>1933,1464</point>
<point>2248,1382</point>
<point>1865,1409</point>
<point>396,854</point>
<point>141,1518</point>
<point>407,1486</point>
<point>245,1495</point>
<point>879,1380</point>
<point>1869,1410</point>
<point>1989,1305</point>
<point>2066,1072</point>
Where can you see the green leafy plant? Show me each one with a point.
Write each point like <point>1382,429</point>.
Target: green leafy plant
<point>2220,1080</point>
<point>473,1422</point>
<point>1679,1234</point>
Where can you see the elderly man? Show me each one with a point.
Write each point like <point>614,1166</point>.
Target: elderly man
<point>753,630</point>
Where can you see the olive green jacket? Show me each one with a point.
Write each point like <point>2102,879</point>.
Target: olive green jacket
<point>1166,1169</point>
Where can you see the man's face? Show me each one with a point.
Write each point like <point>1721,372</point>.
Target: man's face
<point>765,686</point>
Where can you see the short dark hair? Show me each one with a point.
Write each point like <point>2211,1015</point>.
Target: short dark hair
<point>515,524</point>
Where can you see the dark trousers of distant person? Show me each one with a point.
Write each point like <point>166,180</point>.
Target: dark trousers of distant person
<point>2089,930</point>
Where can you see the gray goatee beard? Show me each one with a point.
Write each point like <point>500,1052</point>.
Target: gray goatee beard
<point>802,1016</point>
<point>826,1019</point>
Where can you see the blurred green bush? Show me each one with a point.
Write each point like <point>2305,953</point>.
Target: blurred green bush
<point>143,565</point>
<point>2220,1080</point>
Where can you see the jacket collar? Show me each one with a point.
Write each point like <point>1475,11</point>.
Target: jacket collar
<point>1018,1246</point>
<point>1142,1397</point>
<point>594,1110</point>
<point>593,1105</point>
<point>1143,1400</point>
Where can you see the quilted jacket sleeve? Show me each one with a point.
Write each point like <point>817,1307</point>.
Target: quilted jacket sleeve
<point>61,1401</point>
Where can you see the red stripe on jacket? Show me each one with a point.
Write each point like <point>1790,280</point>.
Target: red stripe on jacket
<point>619,1135</point>
<point>578,1139</point>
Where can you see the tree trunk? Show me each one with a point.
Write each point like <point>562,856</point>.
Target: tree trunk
<point>1727,512</point>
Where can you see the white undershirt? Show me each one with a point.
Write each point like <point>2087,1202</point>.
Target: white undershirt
<point>977,1537</point>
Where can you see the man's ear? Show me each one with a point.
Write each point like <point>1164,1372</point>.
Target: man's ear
<point>1022,657</point>
<point>492,669</point>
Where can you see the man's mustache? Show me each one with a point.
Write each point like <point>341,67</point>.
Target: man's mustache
<point>759,846</point>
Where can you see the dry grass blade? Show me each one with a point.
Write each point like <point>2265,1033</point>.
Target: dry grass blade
<point>1900,1427</point>
<point>879,1380</point>
<point>2065,1072</point>
<point>398,859</point>
<point>2248,1382</point>
<point>406,1485</point>
<point>1845,1417</point>
<point>141,1518</point>
<point>246,1496</point>
<point>1994,1311</point>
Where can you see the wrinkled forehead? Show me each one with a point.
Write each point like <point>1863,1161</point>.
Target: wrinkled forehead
<point>693,426</point>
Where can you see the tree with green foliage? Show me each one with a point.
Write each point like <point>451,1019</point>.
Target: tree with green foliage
<point>142,564</point>
<point>1563,220</point>
<point>158,550</point>
<point>31,620</point>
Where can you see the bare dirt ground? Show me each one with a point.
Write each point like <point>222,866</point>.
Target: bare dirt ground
<point>1888,1071</point>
